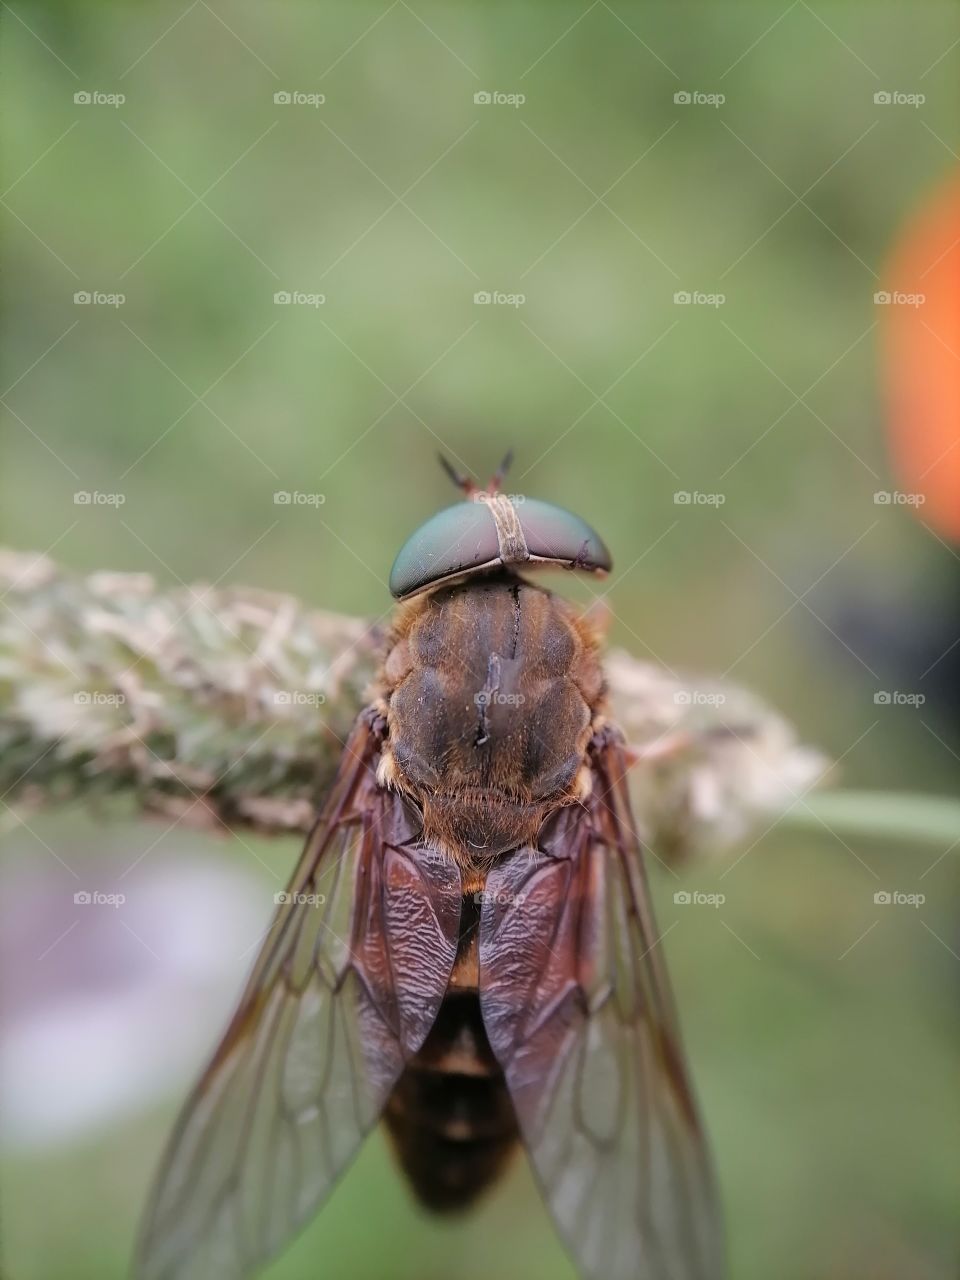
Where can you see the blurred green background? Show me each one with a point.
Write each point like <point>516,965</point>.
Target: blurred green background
<point>821,1027</point>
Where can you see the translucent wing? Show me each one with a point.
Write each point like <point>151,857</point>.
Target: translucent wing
<point>578,1010</point>
<point>342,994</point>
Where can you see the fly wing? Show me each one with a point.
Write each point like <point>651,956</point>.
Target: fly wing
<point>578,1010</point>
<point>344,990</point>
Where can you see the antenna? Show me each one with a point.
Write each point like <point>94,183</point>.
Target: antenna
<point>467,485</point>
<point>500,474</point>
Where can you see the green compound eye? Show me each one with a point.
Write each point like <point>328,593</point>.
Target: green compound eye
<point>492,530</point>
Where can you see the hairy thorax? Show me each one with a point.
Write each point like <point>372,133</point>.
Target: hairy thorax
<point>491,690</point>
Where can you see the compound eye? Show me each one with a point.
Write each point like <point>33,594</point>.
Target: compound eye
<point>490,531</point>
<point>454,541</point>
<point>559,536</point>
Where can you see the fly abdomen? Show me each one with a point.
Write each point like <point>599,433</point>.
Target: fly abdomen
<point>450,1116</point>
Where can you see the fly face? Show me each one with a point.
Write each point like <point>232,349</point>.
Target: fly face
<point>489,530</point>
<point>467,948</point>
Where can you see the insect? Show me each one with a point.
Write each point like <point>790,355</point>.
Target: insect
<point>466,948</point>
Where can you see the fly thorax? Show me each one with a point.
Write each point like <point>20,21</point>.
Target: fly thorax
<point>492,688</point>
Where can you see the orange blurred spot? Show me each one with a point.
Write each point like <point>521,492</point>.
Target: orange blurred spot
<point>922,348</point>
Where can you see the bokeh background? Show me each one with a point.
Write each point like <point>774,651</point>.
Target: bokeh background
<point>821,1026</point>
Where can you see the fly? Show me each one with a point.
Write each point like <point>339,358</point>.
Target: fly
<point>466,950</point>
